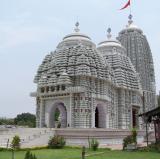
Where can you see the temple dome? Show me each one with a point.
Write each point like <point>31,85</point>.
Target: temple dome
<point>75,38</point>
<point>109,42</point>
<point>110,45</point>
<point>76,55</point>
<point>76,35</point>
<point>115,54</point>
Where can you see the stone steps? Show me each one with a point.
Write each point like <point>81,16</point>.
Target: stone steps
<point>29,137</point>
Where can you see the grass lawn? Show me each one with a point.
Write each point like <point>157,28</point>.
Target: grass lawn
<point>75,153</point>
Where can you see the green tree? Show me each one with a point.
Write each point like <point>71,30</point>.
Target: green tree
<point>25,119</point>
<point>15,144</point>
<point>6,121</point>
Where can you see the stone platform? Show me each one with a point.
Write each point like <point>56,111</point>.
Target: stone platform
<point>105,137</point>
<point>36,137</point>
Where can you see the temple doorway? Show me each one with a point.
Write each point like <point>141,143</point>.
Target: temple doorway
<point>100,116</point>
<point>96,118</point>
<point>134,118</point>
<point>58,116</point>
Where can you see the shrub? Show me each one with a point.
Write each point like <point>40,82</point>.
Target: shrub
<point>56,142</point>
<point>94,144</point>
<point>134,135</point>
<point>131,139</point>
<point>3,149</point>
<point>154,147</point>
<point>15,144</point>
<point>29,155</point>
<point>127,140</point>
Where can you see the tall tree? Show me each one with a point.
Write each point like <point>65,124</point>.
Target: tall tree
<point>6,121</point>
<point>25,119</point>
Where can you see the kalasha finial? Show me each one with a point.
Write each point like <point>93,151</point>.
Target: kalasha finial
<point>109,33</point>
<point>76,28</point>
<point>130,19</point>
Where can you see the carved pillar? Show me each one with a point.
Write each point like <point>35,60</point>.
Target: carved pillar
<point>38,112</point>
<point>70,112</point>
<point>42,113</point>
<point>92,111</point>
<point>121,109</point>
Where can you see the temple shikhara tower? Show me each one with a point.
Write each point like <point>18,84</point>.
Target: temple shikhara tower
<point>138,50</point>
<point>81,85</point>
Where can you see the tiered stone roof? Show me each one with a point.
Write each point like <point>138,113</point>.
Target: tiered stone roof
<point>76,55</point>
<point>124,71</point>
<point>133,39</point>
<point>138,50</point>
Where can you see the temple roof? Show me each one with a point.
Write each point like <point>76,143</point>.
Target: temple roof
<point>138,49</point>
<point>74,56</point>
<point>124,71</point>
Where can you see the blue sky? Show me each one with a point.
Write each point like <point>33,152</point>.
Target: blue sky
<point>29,29</point>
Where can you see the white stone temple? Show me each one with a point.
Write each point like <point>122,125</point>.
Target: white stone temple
<point>96,86</point>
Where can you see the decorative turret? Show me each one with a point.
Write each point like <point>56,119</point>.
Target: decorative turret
<point>76,36</point>
<point>130,19</point>
<point>131,26</point>
<point>109,42</point>
<point>109,33</point>
<point>77,29</point>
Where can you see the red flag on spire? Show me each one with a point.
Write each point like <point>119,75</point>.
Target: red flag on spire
<point>126,5</point>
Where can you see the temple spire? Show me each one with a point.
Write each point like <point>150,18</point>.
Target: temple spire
<point>77,27</point>
<point>109,35</point>
<point>130,21</point>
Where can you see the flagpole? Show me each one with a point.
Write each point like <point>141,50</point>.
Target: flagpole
<point>130,8</point>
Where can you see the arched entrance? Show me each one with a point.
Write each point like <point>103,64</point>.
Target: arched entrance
<point>58,116</point>
<point>100,116</point>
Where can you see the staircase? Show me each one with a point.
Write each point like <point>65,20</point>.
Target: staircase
<point>30,137</point>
